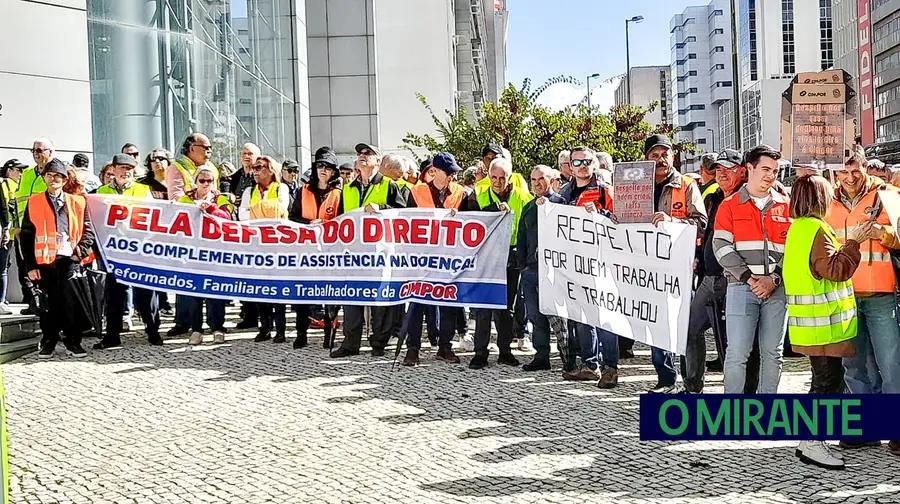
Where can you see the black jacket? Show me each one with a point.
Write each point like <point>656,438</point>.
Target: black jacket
<point>526,247</point>
<point>27,234</point>
<point>708,264</point>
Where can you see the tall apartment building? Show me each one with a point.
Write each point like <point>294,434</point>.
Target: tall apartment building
<point>649,84</point>
<point>845,31</point>
<point>776,40</point>
<point>480,52</point>
<point>288,75</point>
<point>702,78</point>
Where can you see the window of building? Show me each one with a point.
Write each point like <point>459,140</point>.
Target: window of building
<point>701,141</point>
<point>888,130</point>
<point>883,63</point>
<point>247,83</point>
<point>827,37</point>
<point>692,90</point>
<point>723,84</point>
<point>887,96</point>
<point>787,36</point>
<point>692,73</point>
<point>243,31</point>
<point>691,56</point>
<point>243,50</point>
<point>245,119</point>
<point>718,31</point>
<point>719,66</point>
<point>245,101</point>
<point>691,39</point>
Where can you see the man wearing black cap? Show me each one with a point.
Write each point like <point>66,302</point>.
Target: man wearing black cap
<point>489,153</point>
<point>91,181</point>
<point>371,191</point>
<point>441,192</point>
<point>146,301</point>
<point>57,237</point>
<point>677,199</point>
<point>348,173</point>
<point>290,177</point>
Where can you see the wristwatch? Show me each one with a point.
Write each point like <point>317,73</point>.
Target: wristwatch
<point>776,279</point>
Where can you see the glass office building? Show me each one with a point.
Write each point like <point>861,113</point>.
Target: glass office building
<point>160,69</point>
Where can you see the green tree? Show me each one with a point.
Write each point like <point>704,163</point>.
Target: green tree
<point>534,134</point>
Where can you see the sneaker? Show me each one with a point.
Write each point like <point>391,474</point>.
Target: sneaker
<point>662,388</point>
<point>447,355</point>
<point>478,362</point>
<point>5,309</point>
<point>127,324</point>
<point>609,378</point>
<point>195,339</point>
<point>76,351</point>
<point>525,344</point>
<point>819,454</point>
<point>468,343</point>
<point>46,352</point>
<point>342,352</point>
<point>582,374</point>
<point>218,337</point>
<point>177,331</point>
<point>167,312</point>
<point>316,323</point>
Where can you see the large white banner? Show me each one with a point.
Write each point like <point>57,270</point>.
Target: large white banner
<point>631,279</point>
<point>422,255</point>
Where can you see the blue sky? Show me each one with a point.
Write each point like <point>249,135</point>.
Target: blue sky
<point>582,37</point>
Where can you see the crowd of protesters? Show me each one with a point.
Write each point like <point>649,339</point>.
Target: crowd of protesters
<point>810,271</point>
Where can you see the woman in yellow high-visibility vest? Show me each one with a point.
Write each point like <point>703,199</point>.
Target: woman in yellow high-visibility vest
<point>821,302</point>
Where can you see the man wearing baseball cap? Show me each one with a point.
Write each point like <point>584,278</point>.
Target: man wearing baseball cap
<point>441,192</point>
<point>676,199</point>
<point>371,191</point>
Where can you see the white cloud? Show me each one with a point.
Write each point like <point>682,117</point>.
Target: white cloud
<point>562,95</point>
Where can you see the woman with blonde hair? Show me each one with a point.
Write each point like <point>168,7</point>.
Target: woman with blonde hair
<point>267,198</point>
<point>821,303</point>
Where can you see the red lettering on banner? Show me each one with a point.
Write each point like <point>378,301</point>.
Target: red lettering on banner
<point>116,213</point>
<point>154,222</point>
<point>182,225</point>
<point>210,229</point>
<point>231,232</point>
<point>372,231</point>
<point>423,231</point>
<point>139,218</point>
<point>452,227</point>
<point>866,92</point>
<point>267,235</point>
<point>435,291</point>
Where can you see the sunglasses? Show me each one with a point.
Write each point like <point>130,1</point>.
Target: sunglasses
<point>292,170</point>
<point>160,159</point>
<point>133,154</point>
<point>259,168</point>
<point>204,181</point>
<point>581,162</point>
<point>207,148</point>
<point>40,151</point>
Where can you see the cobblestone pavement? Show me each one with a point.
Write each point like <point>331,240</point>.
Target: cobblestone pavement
<point>258,422</point>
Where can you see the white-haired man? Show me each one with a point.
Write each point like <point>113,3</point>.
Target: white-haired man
<point>604,167</point>
<point>31,182</point>
<point>195,153</point>
<point>565,167</point>
<point>499,196</point>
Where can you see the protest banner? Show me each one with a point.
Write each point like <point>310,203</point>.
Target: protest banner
<point>633,190</point>
<point>631,279</point>
<point>356,259</point>
<point>818,120</point>
<point>890,201</point>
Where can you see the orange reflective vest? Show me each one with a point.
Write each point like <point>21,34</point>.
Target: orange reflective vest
<point>599,197</point>
<point>875,272</point>
<point>41,213</point>
<point>422,194</point>
<point>312,211</point>
<point>679,198</point>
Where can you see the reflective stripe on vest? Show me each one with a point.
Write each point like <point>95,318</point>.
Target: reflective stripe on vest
<point>876,271</point>
<point>375,193</point>
<point>311,209</point>
<point>678,208</point>
<point>135,190</point>
<point>709,190</point>
<point>517,201</point>
<point>422,195</point>
<point>271,193</point>
<point>820,311</point>
<point>41,213</point>
<point>187,169</point>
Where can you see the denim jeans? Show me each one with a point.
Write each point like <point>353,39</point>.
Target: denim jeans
<point>878,335</point>
<point>598,347</point>
<point>744,314</point>
<point>215,312</point>
<point>4,269</point>
<point>539,322</point>
<point>664,363</point>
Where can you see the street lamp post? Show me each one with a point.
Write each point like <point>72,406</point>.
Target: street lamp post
<point>589,77</point>
<point>635,19</point>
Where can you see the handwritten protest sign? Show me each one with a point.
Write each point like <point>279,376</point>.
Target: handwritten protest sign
<point>818,120</point>
<point>633,189</point>
<point>633,279</point>
<point>356,259</point>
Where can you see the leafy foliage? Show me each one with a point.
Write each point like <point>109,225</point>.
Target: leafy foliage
<point>534,134</point>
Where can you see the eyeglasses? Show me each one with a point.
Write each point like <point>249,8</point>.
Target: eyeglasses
<point>204,181</point>
<point>40,151</point>
<point>133,154</point>
<point>292,170</point>
<point>207,148</point>
<point>580,162</point>
<point>258,168</point>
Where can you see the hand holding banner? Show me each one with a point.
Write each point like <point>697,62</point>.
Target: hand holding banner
<point>631,279</point>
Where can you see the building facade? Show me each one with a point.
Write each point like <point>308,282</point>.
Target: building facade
<point>885,54</point>
<point>480,52</point>
<point>777,39</point>
<point>649,84</point>
<point>702,78</point>
<point>288,75</point>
